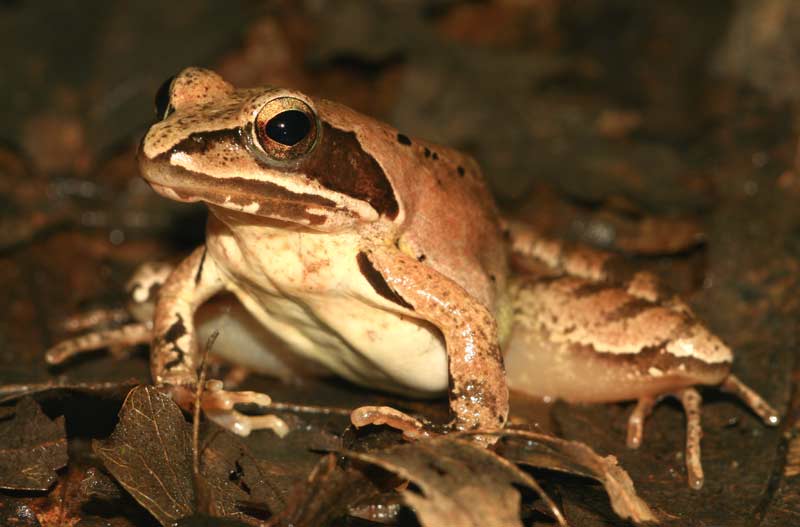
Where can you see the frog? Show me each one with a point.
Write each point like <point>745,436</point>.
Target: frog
<point>340,241</point>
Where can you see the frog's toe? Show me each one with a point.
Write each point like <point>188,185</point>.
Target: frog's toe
<point>218,405</point>
<point>644,407</point>
<point>748,396</point>
<point>94,318</point>
<point>411,427</point>
<point>117,338</point>
<point>241,424</point>
<point>216,398</point>
<point>691,401</point>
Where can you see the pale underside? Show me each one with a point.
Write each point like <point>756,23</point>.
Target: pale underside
<point>310,293</point>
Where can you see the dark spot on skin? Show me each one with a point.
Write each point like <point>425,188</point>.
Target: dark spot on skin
<point>199,273</point>
<point>201,142</point>
<point>590,289</point>
<point>377,282</point>
<point>460,170</point>
<point>340,163</point>
<point>493,278</point>
<point>629,310</point>
<point>403,139</point>
<point>421,258</point>
<point>436,468</point>
<point>175,331</point>
<point>434,156</point>
<point>548,279</point>
<point>427,152</point>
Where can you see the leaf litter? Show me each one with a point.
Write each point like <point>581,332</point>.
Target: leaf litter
<point>446,480</point>
<point>32,447</point>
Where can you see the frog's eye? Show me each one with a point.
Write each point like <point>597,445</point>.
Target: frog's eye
<point>286,129</point>
<point>163,99</point>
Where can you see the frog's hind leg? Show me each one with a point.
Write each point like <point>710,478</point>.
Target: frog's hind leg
<point>560,257</point>
<point>115,328</point>
<point>585,341</point>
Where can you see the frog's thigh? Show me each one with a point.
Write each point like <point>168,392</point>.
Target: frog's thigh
<point>538,366</point>
<point>585,342</point>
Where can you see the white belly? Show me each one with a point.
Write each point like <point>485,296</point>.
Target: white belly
<point>309,291</point>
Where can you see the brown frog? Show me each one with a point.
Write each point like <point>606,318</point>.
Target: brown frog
<point>384,259</point>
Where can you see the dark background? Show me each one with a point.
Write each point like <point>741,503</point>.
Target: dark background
<point>662,130</point>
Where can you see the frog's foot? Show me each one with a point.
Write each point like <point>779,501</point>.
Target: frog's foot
<point>690,400</point>
<point>94,318</point>
<point>748,396</point>
<point>411,427</point>
<point>115,340</point>
<point>219,406</point>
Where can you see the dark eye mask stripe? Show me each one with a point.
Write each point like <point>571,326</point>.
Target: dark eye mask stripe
<point>200,142</point>
<point>339,163</point>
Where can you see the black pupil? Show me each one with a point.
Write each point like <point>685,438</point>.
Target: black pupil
<point>289,127</point>
<point>162,98</point>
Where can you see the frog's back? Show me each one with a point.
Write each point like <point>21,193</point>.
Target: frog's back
<point>447,217</point>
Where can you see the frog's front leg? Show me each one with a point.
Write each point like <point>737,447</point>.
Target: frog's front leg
<point>478,389</point>
<point>174,353</point>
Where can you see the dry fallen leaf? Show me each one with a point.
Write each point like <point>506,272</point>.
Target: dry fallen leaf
<point>232,476</point>
<point>32,448</point>
<point>573,457</point>
<point>149,454</point>
<point>329,491</point>
<point>455,482</point>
